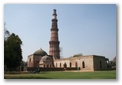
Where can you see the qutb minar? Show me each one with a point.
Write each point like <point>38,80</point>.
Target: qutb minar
<point>52,62</point>
<point>54,42</point>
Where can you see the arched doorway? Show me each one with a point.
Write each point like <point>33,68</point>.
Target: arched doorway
<point>83,64</point>
<point>60,64</point>
<point>65,65</point>
<point>30,62</point>
<point>70,64</point>
<point>100,64</point>
<point>76,64</point>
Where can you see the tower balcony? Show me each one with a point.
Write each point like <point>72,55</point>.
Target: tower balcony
<point>54,42</point>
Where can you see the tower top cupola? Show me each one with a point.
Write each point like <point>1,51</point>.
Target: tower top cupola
<point>54,11</point>
<point>54,14</point>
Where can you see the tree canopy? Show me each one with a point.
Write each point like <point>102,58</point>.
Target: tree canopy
<point>77,55</point>
<point>12,51</point>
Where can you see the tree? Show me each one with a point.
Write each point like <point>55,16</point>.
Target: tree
<point>23,65</point>
<point>114,61</point>
<point>112,64</point>
<point>12,52</point>
<point>6,33</point>
<point>77,55</point>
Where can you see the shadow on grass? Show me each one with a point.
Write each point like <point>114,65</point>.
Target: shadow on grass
<point>12,73</point>
<point>26,78</point>
<point>27,75</point>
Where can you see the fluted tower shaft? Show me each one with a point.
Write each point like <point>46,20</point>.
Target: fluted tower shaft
<point>54,42</point>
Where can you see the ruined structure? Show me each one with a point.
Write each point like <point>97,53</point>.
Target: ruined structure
<point>41,59</point>
<point>84,63</point>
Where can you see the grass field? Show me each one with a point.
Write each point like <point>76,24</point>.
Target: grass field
<point>64,75</point>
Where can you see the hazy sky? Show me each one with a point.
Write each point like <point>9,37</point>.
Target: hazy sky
<point>88,29</point>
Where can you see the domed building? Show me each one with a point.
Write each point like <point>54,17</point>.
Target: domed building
<point>46,61</point>
<point>40,52</point>
<point>36,57</point>
<point>43,61</point>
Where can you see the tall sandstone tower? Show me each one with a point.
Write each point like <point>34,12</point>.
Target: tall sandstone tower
<point>54,43</point>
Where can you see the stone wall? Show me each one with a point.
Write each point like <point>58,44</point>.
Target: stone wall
<point>88,63</point>
<point>83,62</point>
<point>100,63</point>
<point>30,61</point>
<point>33,60</point>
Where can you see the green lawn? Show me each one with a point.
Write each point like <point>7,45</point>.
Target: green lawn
<point>64,75</point>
